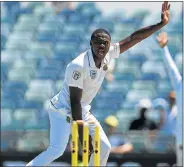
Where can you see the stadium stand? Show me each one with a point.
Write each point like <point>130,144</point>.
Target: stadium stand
<point>37,44</point>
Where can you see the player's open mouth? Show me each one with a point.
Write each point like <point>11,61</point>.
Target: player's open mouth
<point>101,52</point>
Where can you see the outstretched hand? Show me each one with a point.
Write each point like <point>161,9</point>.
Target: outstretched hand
<point>165,13</point>
<point>162,39</point>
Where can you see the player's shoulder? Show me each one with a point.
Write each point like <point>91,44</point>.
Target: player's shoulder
<point>78,62</point>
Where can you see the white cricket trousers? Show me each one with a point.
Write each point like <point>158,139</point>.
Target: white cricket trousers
<point>60,131</point>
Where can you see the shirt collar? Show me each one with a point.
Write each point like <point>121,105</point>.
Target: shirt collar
<point>91,59</point>
<point>92,62</point>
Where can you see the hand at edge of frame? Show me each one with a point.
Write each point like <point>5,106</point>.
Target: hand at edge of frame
<point>162,39</point>
<point>165,15</point>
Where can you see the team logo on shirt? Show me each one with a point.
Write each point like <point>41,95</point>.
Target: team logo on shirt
<point>93,74</point>
<point>76,75</point>
<point>105,67</point>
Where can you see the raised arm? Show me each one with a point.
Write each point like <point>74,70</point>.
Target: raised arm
<point>169,62</point>
<point>143,33</point>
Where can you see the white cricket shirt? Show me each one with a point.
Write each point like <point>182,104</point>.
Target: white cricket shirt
<point>83,73</point>
<point>176,80</point>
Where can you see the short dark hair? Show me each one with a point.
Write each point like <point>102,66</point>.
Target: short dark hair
<point>100,30</point>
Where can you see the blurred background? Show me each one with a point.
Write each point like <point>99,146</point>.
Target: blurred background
<point>38,40</point>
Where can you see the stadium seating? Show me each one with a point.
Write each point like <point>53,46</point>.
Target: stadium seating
<point>144,85</point>
<point>125,117</point>
<point>41,49</point>
<point>118,86</point>
<point>136,94</point>
<point>18,74</point>
<point>32,104</point>
<point>24,117</point>
<point>30,142</point>
<point>164,87</point>
<point>44,87</point>
<point>154,67</point>
<point>41,11</point>
<point>6,118</point>
<point>37,44</point>
<point>33,4</point>
<point>6,56</point>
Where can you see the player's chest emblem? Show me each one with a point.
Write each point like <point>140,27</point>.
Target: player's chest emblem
<point>93,74</point>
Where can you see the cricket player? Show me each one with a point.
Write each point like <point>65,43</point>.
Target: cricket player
<point>83,78</point>
<point>176,80</point>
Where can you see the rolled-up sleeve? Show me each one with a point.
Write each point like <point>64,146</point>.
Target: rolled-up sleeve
<point>172,68</point>
<point>114,51</point>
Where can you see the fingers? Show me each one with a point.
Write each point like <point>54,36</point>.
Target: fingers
<point>169,7</point>
<point>162,39</point>
<point>165,35</point>
<point>162,35</point>
<point>165,6</point>
<point>158,38</point>
<point>162,7</point>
